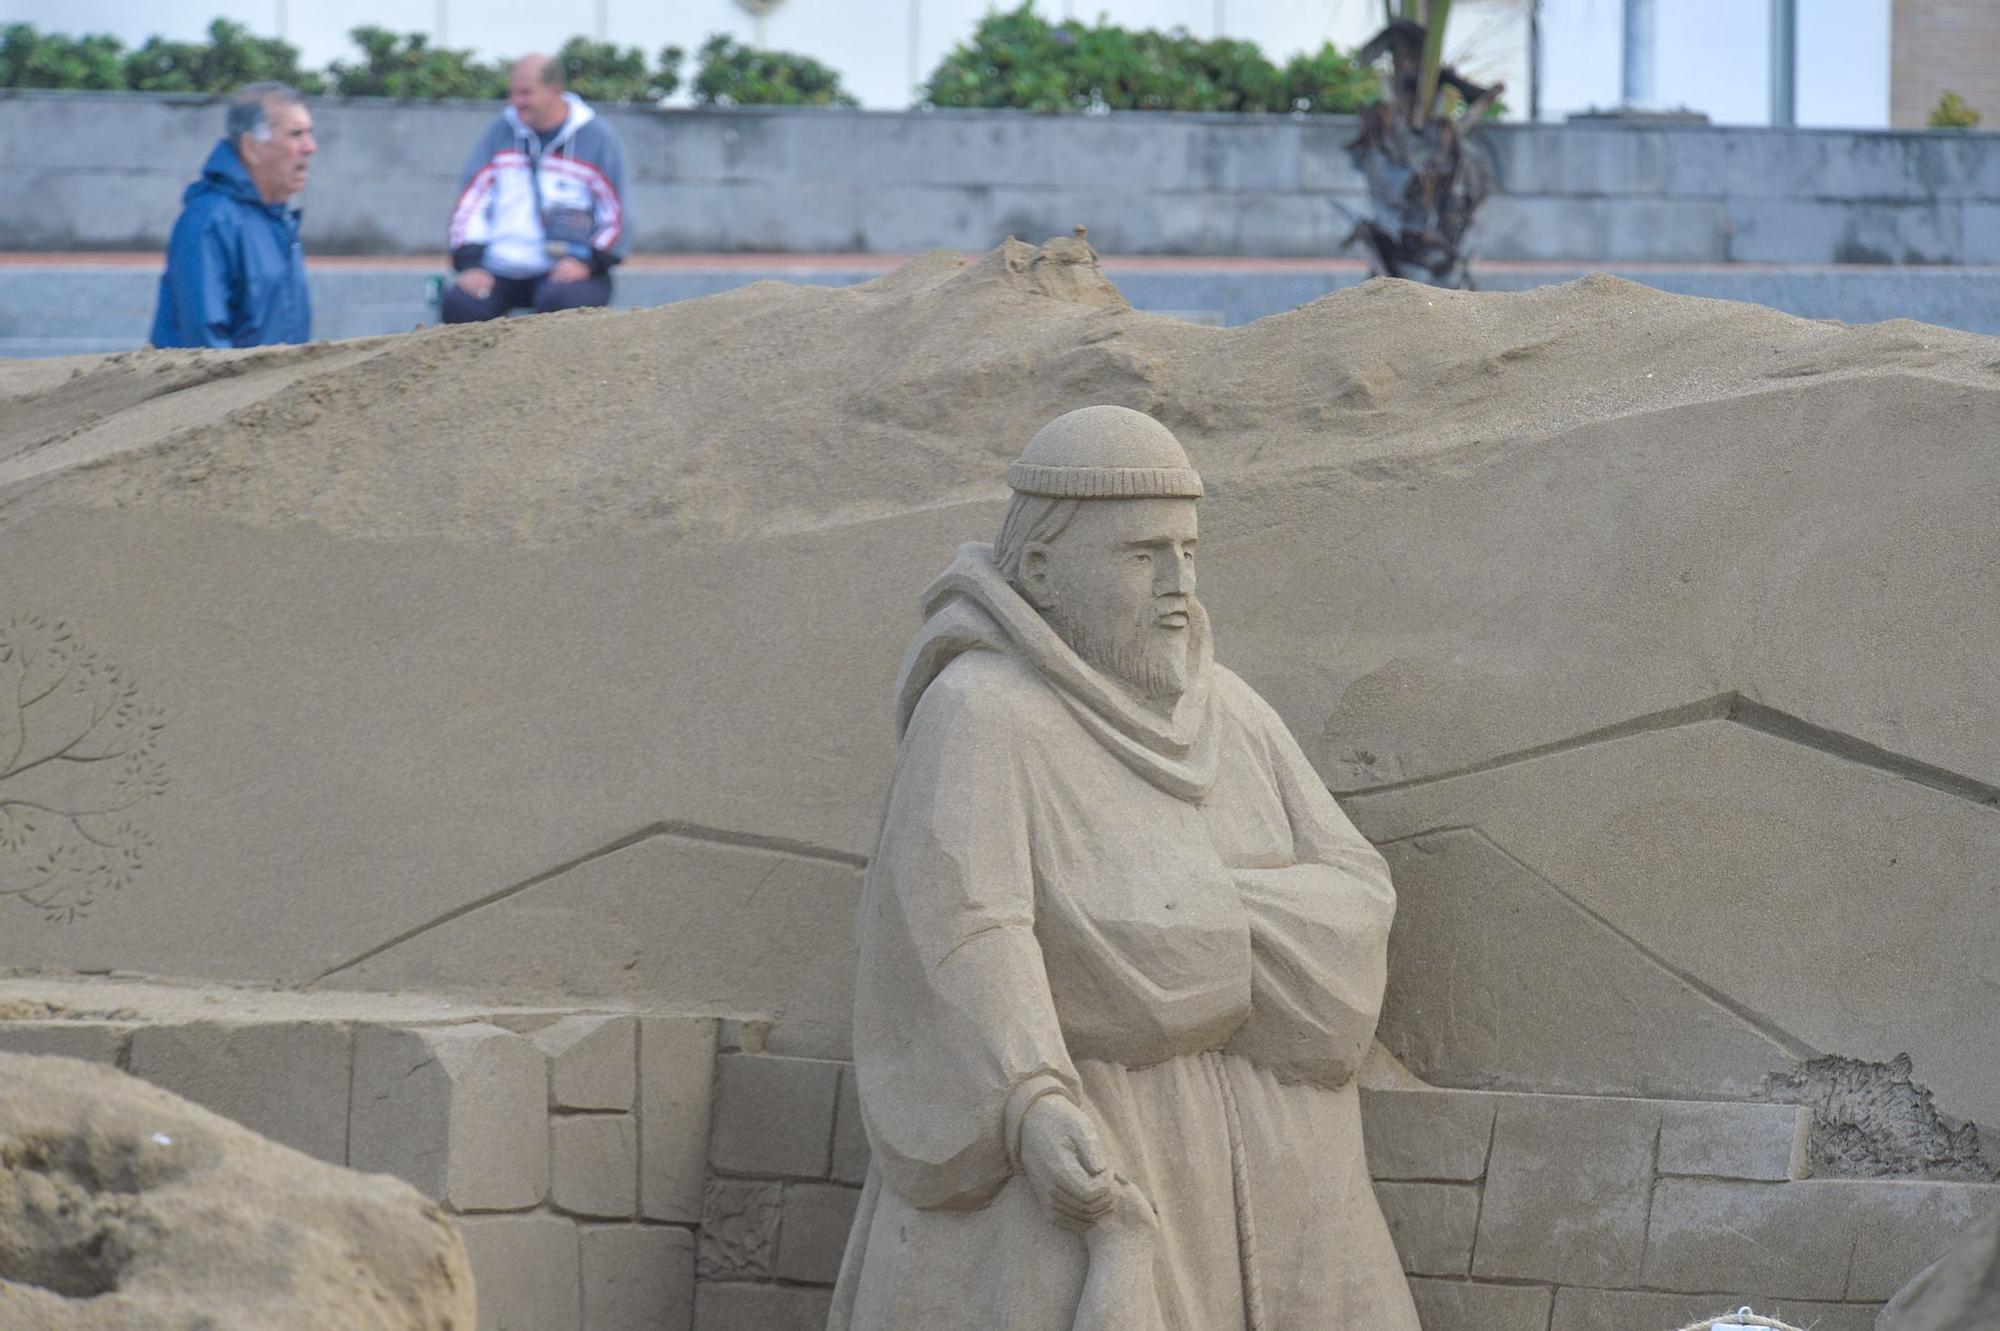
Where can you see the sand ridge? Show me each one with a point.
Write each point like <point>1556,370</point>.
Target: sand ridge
<point>778,407</point>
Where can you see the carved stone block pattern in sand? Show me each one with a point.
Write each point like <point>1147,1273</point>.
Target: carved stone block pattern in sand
<point>79,758</point>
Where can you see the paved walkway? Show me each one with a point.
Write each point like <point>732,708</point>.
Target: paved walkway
<point>764,261</point>
<point>55,304</point>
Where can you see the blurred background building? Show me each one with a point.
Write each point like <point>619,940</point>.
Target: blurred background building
<point>1940,46</point>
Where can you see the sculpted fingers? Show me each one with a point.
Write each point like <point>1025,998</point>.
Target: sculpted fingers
<point>1082,1193</point>
<point>1090,1151</point>
<point>1065,1163</point>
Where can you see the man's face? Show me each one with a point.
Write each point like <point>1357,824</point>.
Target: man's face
<point>1118,585</point>
<point>278,164</point>
<point>540,106</point>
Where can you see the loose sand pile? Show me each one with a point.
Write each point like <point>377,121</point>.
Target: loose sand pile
<point>780,407</point>
<point>124,1208</point>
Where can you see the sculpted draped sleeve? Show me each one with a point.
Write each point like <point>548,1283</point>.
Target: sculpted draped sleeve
<point>1319,928</point>
<point>954,1030</point>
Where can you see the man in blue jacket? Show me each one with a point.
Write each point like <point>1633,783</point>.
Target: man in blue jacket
<point>235,275</point>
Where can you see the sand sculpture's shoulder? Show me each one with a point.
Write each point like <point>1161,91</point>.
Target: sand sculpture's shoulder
<point>1244,704</point>
<point>984,692</point>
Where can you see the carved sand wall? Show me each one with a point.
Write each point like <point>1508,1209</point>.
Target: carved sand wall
<point>1652,636</point>
<point>615,1171</point>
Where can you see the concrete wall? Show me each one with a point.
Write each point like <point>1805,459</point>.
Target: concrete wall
<point>105,171</point>
<point>613,1172</point>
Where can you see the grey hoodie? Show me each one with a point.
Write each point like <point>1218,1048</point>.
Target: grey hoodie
<point>522,205</point>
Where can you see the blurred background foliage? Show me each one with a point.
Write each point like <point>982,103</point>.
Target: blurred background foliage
<point>230,58</point>
<point>1014,59</point>
<point>1951,112</point>
<point>410,67</point>
<point>1020,60</point>
<point>735,75</point>
<point>386,64</point>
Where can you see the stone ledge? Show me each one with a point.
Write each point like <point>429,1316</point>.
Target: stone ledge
<point>92,1041</point>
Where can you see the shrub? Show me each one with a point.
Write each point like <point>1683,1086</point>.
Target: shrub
<point>1330,81</point>
<point>604,72</point>
<point>735,75</point>
<point>1951,112</point>
<point>1020,60</point>
<point>410,67</point>
<point>29,59</point>
<point>229,59</point>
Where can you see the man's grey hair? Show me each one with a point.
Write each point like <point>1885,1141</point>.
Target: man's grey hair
<point>1031,519</point>
<point>251,107</point>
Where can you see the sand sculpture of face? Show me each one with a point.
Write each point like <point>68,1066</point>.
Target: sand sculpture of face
<point>1117,583</point>
<point>1101,540</point>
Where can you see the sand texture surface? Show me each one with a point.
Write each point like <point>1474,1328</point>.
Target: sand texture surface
<point>777,407</point>
<point>124,1208</point>
<point>549,661</point>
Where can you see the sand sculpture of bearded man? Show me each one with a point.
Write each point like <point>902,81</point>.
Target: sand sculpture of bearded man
<point>1121,953</point>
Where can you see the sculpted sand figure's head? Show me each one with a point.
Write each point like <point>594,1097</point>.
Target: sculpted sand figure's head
<point>1100,539</point>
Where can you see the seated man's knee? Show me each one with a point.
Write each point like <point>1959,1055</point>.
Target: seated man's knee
<point>459,306</point>
<point>551,296</point>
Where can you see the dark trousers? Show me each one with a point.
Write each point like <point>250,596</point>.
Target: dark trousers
<point>511,293</point>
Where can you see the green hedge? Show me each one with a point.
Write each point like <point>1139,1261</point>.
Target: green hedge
<point>405,66</point>
<point>230,58</point>
<point>1013,59</point>
<point>1019,59</point>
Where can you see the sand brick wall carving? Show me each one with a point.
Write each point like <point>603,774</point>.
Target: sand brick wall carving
<point>1512,1212</point>
<point>569,1149</point>
<point>616,1171</point>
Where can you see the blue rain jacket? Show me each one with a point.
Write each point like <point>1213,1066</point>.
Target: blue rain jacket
<point>235,274</point>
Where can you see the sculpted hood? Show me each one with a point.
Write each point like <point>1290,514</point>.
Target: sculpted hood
<point>971,607</point>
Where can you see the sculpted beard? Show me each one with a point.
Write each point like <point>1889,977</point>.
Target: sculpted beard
<point>1151,659</point>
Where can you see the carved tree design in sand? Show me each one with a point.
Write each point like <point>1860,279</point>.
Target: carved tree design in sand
<point>78,755</point>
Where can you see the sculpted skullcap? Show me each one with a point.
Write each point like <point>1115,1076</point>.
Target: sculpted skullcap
<point>1105,453</point>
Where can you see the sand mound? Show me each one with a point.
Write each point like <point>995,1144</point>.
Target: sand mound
<point>124,1208</point>
<point>778,407</point>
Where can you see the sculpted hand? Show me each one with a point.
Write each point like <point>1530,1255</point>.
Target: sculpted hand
<point>1065,1163</point>
<point>569,270</point>
<point>476,283</point>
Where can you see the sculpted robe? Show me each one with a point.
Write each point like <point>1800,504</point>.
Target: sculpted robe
<point>1167,918</point>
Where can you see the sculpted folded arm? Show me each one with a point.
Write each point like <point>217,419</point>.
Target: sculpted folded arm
<point>956,1038</point>
<point>1319,929</point>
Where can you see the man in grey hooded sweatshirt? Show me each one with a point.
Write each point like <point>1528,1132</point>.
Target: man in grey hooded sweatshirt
<point>540,219</point>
